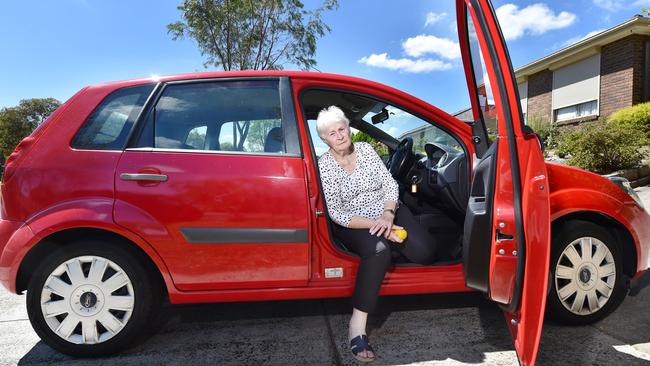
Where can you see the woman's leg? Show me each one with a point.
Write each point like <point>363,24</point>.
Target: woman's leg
<point>419,246</point>
<point>375,259</point>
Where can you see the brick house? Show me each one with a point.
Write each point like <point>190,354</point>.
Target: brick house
<point>590,79</point>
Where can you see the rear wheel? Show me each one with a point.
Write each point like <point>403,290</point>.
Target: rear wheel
<point>587,280</point>
<point>91,299</point>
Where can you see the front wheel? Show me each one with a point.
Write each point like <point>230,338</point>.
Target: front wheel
<point>91,299</point>
<point>587,280</point>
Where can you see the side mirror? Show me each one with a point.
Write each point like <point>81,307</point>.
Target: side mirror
<point>529,130</point>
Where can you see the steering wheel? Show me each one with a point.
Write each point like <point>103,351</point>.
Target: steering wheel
<point>398,166</point>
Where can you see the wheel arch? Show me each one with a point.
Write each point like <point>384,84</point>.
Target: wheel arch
<point>56,240</point>
<point>621,234</point>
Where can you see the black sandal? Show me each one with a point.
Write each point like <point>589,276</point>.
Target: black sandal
<point>360,344</point>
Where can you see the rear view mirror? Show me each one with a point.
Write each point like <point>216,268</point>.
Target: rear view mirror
<point>380,117</point>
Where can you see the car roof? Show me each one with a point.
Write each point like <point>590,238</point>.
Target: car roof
<point>232,74</point>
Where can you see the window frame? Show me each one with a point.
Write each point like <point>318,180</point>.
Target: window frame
<point>287,115</point>
<point>133,121</point>
<point>576,106</point>
<point>303,91</point>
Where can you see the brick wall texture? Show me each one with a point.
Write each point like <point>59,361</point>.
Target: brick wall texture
<point>540,87</point>
<point>621,74</point>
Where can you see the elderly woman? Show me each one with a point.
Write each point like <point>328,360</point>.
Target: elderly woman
<point>362,198</point>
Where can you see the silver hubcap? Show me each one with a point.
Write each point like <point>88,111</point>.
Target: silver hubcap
<point>87,300</point>
<point>585,276</point>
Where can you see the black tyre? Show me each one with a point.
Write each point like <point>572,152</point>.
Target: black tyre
<point>92,299</point>
<point>587,280</point>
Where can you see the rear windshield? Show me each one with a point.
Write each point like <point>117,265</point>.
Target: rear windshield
<point>109,125</point>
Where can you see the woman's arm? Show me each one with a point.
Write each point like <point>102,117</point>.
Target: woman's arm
<point>333,199</point>
<point>360,222</point>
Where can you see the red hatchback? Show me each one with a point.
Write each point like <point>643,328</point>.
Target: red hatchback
<point>204,187</point>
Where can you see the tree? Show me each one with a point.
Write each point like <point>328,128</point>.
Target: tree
<point>18,122</point>
<point>253,35</point>
<point>380,148</point>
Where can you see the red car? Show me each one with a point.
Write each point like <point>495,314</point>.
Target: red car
<point>204,187</point>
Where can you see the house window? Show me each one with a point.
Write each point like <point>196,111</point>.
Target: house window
<point>576,111</point>
<point>576,89</point>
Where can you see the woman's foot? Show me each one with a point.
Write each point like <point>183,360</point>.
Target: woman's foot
<point>361,349</point>
<point>359,344</point>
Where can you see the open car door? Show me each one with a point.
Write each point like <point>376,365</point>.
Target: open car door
<point>507,225</point>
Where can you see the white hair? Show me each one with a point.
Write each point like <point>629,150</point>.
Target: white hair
<point>329,116</point>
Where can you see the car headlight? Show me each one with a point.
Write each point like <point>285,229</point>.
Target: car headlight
<point>625,185</point>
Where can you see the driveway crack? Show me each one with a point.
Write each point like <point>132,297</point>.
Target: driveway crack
<point>330,334</point>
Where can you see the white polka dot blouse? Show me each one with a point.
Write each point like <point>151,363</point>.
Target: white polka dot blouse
<point>360,193</point>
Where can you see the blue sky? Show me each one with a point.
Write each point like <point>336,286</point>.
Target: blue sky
<point>54,48</point>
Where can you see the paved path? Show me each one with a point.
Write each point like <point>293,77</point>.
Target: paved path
<point>448,329</point>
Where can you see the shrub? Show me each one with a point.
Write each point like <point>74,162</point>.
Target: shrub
<point>548,132</point>
<point>636,117</point>
<point>603,148</point>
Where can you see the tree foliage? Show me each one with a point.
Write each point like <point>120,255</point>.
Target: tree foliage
<point>603,147</point>
<point>547,131</point>
<point>18,122</point>
<point>636,117</point>
<point>253,35</point>
<point>380,148</point>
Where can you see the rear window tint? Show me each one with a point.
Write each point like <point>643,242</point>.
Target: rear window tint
<point>109,125</point>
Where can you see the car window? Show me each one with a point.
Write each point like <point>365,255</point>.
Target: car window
<point>252,136</point>
<point>481,81</point>
<point>240,116</point>
<point>196,137</point>
<point>109,125</point>
<point>363,111</point>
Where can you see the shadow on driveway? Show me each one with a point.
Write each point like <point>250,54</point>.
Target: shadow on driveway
<point>447,328</point>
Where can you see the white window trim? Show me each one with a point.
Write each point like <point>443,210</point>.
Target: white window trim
<point>554,111</point>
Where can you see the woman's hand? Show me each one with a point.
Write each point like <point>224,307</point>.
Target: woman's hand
<point>394,237</point>
<point>383,225</point>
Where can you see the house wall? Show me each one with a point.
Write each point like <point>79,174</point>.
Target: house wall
<point>540,88</point>
<point>621,79</point>
<point>621,74</point>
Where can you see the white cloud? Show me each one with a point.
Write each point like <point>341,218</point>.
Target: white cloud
<point>172,104</point>
<point>433,18</point>
<point>454,26</point>
<point>616,5</point>
<point>573,40</point>
<point>611,5</point>
<point>423,44</point>
<point>404,64</point>
<point>534,19</point>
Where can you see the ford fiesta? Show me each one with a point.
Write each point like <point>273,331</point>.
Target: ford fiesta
<point>204,187</point>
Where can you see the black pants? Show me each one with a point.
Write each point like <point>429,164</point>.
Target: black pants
<point>419,247</point>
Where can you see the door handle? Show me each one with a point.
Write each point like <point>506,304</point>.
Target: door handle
<point>144,177</point>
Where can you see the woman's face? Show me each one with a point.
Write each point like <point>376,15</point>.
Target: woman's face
<point>337,136</point>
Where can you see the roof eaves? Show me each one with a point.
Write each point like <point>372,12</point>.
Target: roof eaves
<point>587,47</point>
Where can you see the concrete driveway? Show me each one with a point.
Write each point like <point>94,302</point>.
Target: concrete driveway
<point>448,329</point>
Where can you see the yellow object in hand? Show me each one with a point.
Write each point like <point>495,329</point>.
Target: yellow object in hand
<point>401,233</point>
